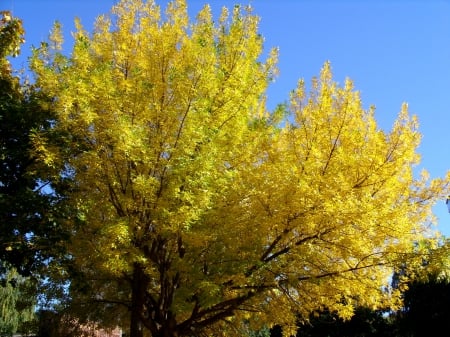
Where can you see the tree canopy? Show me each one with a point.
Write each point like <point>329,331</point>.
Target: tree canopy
<point>30,232</point>
<point>31,238</point>
<point>17,311</point>
<point>199,210</point>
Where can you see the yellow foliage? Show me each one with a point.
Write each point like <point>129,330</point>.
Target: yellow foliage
<point>225,209</point>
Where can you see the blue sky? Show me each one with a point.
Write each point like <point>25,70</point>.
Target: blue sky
<point>395,51</point>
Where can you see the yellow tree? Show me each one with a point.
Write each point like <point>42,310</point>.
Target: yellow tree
<point>198,210</point>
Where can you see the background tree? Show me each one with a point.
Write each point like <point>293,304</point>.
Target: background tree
<point>425,311</point>
<point>17,298</point>
<point>27,211</point>
<point>364,323</point>
<point>31,238</point>
<point>197,209</point>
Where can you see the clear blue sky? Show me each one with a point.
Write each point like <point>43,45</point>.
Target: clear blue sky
<point>395,51</point>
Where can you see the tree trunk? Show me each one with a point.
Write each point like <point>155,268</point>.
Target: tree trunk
<point>169,329</point>
<point>138,289</point>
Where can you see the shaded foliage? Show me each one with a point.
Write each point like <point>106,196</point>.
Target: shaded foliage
<point>17,303</point>
<point>364,323</point>
<point>32,240</point>
<point>28,207</point>
<point>425,313</point>
<point>426,308</point>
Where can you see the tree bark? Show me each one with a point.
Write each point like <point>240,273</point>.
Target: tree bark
<point>138,289</point>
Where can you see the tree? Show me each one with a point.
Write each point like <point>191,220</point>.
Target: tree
<point>425,296</point>
<point>31,241</point>
<point>17,306</point>
<point>364,323</point>
<point>426,308</point>
<point>197,209</point>
<point>423,311</point>
<point>28,222</point>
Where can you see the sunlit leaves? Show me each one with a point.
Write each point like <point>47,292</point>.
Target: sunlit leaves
<point>213,208</point>
<point>11,38</point>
